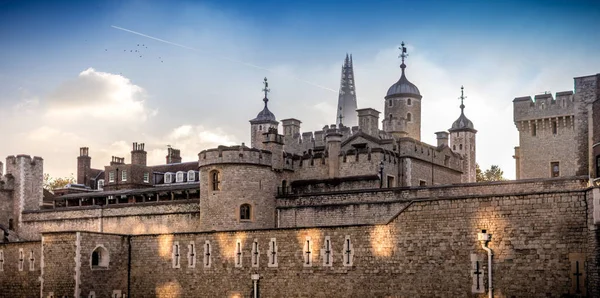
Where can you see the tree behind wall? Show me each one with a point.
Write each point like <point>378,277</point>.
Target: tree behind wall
<point>55,183</point>
<point>494,173</point>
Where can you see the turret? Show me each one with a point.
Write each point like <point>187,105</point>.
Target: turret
<point>264,121</point>
<point>462,140</point>
<point>28,175</point>
<point>442,138</point>
<point>346,111</point>
<point>368,121</point>
<point>402,113</point>
<point>333,139</point>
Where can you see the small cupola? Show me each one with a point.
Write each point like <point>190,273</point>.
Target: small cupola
<point>265,115</point>
<point>403,88</point>
<point>462,123</point>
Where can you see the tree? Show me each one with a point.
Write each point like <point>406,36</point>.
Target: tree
<point>494,173</point>
<point>52,184</point>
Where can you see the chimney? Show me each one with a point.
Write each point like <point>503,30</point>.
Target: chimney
<point>84,164</point>
<point>173,156</point>
<point>442,138</point>
<point>1,170</point>
<point>274,143</point>
<point>333,140</point>
<point>117,161</point>
<point>368,121</point>
<point>138,154</point>
<point>291,127</point>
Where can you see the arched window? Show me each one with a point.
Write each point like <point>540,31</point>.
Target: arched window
<point>408,102</point>
<point>191,176</point>
<point>409,117</point>
<point>168,177</point>
<point>101,184</point>
<point>215,180</point>
<point>100,258</point>
<point>391,103</point>
<point>179,177</point>
<point>460,147</point>
<point>245,212</point>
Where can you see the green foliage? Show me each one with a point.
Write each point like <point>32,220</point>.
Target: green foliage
<point>52,184</point>
<point>494,173</point>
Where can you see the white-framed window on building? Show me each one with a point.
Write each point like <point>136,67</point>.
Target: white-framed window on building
<point>116,294</point>
<point>327,252</point>
<point>21,259</point>
<point>92,294</point>
<point>176,255</point>
<point>272,253</point>
<point>101,184</point>
<point>31,261</point>
<point>111,177</point>
<point>192,255</point>
<point>168,177</point>
<point>124,175</point>
<point>179,176</point>
<point>146,177</point>
<point>191,176</point>
<point>255,253</point>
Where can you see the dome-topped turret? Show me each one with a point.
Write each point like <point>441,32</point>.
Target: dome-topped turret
<point>265,115</point>
<point>403,87</point>
<point>462,123</point>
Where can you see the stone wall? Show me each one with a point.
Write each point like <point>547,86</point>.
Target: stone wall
<point>6,207</point>
<point>425,251</point>
<point>15,282</point>
<point>159,217</point>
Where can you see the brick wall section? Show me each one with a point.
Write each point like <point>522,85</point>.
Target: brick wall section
<point>161,217</point>
<point>103,281</point>
<point>593,249</point>
<point>15,283</point>
<point>427,248</point>
<point>59,261</point>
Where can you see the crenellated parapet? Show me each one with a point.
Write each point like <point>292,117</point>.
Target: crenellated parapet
<point>441,156</point>
<point>544,106</point>
<point>235,155</point>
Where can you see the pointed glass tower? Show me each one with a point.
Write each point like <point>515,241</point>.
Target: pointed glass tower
<point>346,108</point>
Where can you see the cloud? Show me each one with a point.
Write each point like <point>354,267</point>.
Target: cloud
<point>99,95</point>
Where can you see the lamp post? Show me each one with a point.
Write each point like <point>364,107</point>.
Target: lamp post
<point>381,174</point>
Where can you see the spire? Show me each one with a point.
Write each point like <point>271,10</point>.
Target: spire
<point>462,98</point>
<point>266,90</point>
<point>403,55</point>
<point>347,95</point>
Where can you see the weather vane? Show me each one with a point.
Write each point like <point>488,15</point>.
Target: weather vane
<point>403,53</point>
<point>341,117</point>
<point>462,97</point>
<point>266,90</point>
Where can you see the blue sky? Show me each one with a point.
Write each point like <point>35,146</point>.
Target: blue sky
<point>195,99</point>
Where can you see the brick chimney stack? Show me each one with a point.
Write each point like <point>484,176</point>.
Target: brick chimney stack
<point>138,154</point>
<point>117,161</point>
<point>84,164</point>
<point>173,156</point>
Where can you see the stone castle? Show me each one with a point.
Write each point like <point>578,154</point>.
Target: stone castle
<point>352,210</point>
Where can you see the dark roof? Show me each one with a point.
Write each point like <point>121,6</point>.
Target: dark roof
<point>96,174</point>
<point>176,167</point>
<point>403,88</point>
<point>264,116</point>
<point>167,187</point>
<point>462,123</point>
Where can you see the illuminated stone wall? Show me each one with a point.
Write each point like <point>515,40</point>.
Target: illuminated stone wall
<point>15,282</point>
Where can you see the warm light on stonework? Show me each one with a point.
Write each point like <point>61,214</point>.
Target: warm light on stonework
<point>227,244</point>
<point>165,245</point>
<point>381,241</point>
<point>168,290</point>
<point>316,237</point>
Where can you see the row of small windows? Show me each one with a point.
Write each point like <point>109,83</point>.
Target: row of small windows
<point>21,260</point>
<point>408,102</point>
<point>308,253</point>
<point>180,177</point>
<point>554,129</point>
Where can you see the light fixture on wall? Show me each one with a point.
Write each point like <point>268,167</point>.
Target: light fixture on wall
<point>484,237</point>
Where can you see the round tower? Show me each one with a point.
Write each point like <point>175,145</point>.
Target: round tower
<point>462,141</point>
<point>402,112</point>
<point>264,121</point>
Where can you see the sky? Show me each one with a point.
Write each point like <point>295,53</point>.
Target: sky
<point>72,74</point>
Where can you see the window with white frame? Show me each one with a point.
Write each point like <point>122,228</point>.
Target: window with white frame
<point>92,294</point>
<point>191,176</point>
<point>31,261</point>
<point>1,260</point>
<point>192,255</point>
<point>238,253</point>
<point>21,259</point>
<point>307,252</point>
<point>124,175</point>
<point>179,177</point>
<point>327,252</point>
<point>101,184</point>
<point>348,252</point>
<point>175,255</point>
<point>146,177</point>
<point>255,253</point>
<point>207,254</point>
<point>272,253</point>
<point>111,177</point>
<point>168,177</point>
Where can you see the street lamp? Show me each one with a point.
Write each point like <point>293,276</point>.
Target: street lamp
<point>381,174</point>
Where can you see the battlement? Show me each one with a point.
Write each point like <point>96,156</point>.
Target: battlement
<point>441,156</point>
<point>300,143</point>
<point>543,106</point>
<point>236,155</point>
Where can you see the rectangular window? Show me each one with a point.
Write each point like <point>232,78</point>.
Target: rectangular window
<point>179,177</point>
<point>123,175</point>
<point>533,130</point>
<point>146,177</point>
<point>422,183</point>
<point>390,181</point>
<point>111,177</point>
<point>554,128</point>
<point>101,184</point>
<point>555,169</point>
